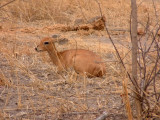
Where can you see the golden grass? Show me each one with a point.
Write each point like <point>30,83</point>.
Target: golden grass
<point>66,11</point>
<point>62,94</point>
<point>34,85</point>
<point>126,100</point>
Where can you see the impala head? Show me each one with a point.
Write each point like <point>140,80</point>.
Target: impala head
<point>48,43</point>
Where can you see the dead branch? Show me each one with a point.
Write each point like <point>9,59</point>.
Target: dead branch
<point>7,4</point>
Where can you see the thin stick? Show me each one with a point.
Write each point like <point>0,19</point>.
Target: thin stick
<point>7,3</point>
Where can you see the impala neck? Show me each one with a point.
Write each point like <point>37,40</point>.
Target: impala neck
<point>54,55</point>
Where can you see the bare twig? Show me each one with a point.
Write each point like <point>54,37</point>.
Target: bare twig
<point>121,61</point>
<point>99,7</point>
<point>7,4</point>
<point>155,11</point>
<point>154,38</point>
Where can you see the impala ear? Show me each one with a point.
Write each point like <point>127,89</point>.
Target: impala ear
<point>62,41</point>
<point>55,36</point>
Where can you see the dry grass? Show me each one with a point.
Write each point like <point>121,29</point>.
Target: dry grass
<point>33,88</point>
<point>67,11</point>
<point>33,80</point>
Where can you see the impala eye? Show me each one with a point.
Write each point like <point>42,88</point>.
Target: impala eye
<point>46,43</point>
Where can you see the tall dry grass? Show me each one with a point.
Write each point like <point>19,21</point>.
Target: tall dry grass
<point>39,92</point>
<point>61,11</point>
<point>66,11</point>
<point>31,79</point>
<point>117,12</point>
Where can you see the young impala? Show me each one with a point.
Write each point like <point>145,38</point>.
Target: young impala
<point>82,61</point>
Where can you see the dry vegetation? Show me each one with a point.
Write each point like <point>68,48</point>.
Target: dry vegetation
<point>30,88</point>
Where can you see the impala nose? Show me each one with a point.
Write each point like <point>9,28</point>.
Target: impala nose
<point>36,49</point>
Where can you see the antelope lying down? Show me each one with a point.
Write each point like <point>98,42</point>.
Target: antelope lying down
<point>82,61</point>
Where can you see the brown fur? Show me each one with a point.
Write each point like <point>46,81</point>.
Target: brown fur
<point>82,61</point>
